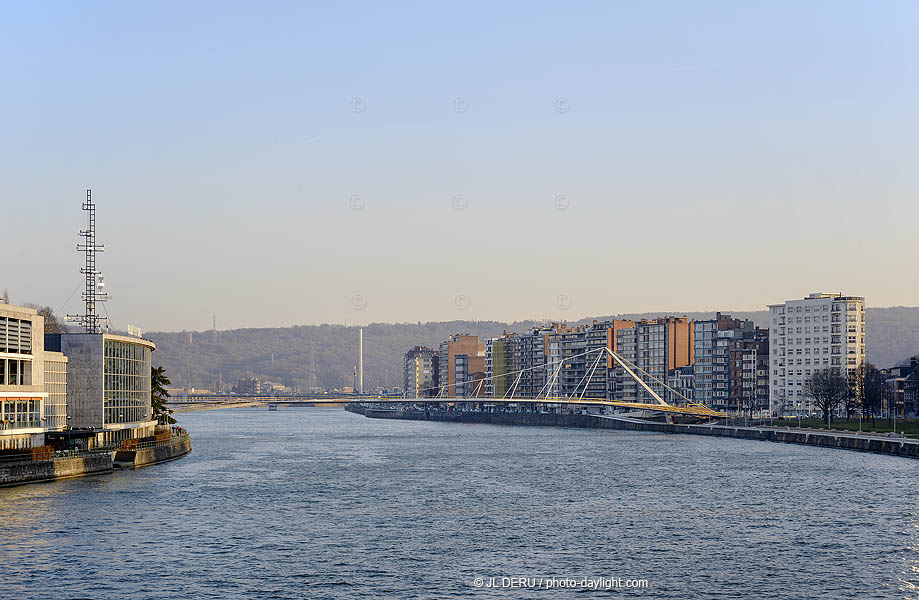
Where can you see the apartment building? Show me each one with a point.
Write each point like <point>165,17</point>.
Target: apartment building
<point>553,361</point>
<point>593,375</point>
<point>461,365</point>
<point>817,332</point>
<point>572,343</point>
<point>418,380</point>
<point>497,358</point>
<point>730,364</point>
<point>749,373</point>
<point>900,391</point>
<point>654,348</point>
<point>248,386</point>
<point>681,379</point>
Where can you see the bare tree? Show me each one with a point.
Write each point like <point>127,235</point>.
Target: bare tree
<point>829,388</point>
<point>852,400</point>
<point>869,385</point>
<point>52,323</point>
<point>5,296</point>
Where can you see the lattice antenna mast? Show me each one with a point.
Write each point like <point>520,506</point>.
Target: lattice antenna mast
<point>94,292</point>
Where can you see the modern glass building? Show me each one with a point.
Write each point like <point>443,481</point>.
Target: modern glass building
<point>55,409</point>
<point>108,384</point>
<point>126,393</point>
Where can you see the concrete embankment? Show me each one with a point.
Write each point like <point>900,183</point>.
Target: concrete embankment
<point>15,473</point>
<point>180,407</point>
<point>865,443</point>
<point>128,459</point>
<point>90,463</point>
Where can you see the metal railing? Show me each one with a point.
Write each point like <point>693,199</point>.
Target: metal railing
<point>29,457</point>
<point>7,425</point>
<point>131,445</point>
<point>175,439</point>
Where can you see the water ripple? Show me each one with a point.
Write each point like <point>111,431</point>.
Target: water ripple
<point>320,503</point>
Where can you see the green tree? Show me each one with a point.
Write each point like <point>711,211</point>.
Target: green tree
<point>829,388</point>
<point>160,397</point>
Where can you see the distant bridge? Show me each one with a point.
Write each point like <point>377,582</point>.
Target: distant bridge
<point>694,409</point>
<point>688,407</point>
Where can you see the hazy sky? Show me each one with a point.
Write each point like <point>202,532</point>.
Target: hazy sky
<point>290,163</point>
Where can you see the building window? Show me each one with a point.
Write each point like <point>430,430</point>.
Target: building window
<point>127,382</point>
<point>15,371</point>
<point>20,412</point>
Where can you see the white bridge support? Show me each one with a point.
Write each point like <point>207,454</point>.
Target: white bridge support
<point>640,381</point>
<point>545,393</point>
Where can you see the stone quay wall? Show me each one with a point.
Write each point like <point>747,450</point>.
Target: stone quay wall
<point>894,446</point>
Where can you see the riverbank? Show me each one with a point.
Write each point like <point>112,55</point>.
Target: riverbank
<point>152,454</point>
<point>65,467</point>
<point>893,446</point>
<point>194,407</point>
<point>68,465</point>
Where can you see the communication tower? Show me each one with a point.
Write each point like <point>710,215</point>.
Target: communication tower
<point>94,292</point>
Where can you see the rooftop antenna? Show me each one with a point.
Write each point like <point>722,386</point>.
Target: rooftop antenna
<point>94,292</point>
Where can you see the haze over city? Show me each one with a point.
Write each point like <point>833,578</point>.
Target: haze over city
<point>359,163</point>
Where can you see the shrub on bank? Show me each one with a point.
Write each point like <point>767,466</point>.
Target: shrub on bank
<point>159,438</point>
<point>33,453</point>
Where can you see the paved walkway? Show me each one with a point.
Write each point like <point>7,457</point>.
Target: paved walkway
<point>824,432</point>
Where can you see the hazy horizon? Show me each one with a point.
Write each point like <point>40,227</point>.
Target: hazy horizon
<point>575,319</point>
<point>361,163</point>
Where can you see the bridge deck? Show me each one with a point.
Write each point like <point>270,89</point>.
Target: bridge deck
<point>692,409</point>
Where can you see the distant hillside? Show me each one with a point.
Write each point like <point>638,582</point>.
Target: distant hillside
<point>283,355</point>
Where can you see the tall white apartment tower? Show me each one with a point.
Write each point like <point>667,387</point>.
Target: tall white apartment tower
<point>820,331</point>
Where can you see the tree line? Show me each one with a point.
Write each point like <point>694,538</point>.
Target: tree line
<point>830,389</point>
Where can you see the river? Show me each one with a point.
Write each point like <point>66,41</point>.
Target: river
<point>321,503</point>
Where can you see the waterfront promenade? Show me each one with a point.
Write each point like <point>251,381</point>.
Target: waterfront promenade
<point>880,444</point>
<point>37,468</point>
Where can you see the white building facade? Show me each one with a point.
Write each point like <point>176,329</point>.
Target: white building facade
<point>33,381</point>
<point>817,332</point>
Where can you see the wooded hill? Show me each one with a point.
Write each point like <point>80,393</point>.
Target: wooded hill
<point>283,355</point>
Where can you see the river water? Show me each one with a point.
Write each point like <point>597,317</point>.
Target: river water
<point>321,503</point>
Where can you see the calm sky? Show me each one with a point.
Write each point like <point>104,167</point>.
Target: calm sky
<point>283,163</point>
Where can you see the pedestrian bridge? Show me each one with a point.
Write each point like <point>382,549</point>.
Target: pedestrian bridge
<point>694,409</point>
<point>436,395</point>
